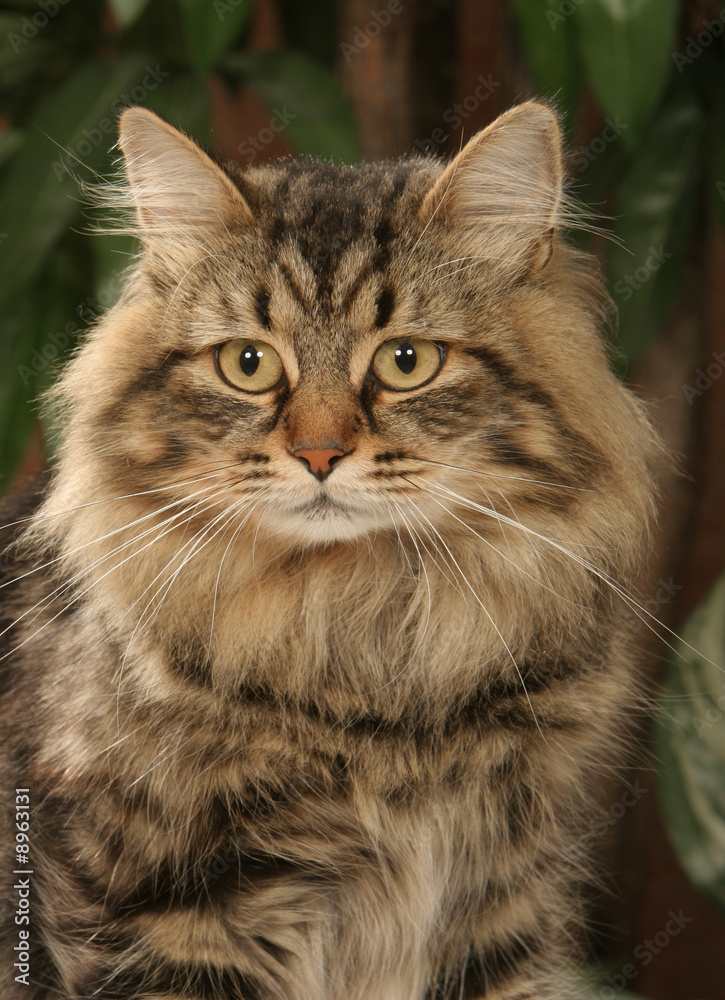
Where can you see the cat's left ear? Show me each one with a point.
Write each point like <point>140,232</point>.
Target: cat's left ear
<point>504,189</point>
<point>178,191</point>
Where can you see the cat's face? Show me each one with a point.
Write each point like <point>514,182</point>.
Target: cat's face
<point>327,352</point>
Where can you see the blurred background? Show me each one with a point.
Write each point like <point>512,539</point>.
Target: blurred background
<point>640,85</point>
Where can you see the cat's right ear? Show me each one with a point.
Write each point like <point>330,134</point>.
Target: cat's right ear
<point>179,193</point>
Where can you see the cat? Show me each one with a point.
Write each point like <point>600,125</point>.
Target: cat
<point>319,638</point>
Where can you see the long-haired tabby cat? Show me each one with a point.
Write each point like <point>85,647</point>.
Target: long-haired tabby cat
<point>317,641</point>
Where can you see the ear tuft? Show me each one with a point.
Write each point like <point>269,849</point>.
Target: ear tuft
<point>176,187</point>
<point>505,186</point>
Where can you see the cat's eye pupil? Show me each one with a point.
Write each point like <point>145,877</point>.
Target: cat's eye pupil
<point>405,358</point>
<point>249,360</point>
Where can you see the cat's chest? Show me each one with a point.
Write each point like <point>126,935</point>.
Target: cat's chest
<point>392,672</point>
<point>255,758</point>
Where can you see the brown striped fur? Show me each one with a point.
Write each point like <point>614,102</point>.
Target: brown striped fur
<point>300,740</point>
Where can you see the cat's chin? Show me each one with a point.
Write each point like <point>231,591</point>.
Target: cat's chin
<point>323,522</point>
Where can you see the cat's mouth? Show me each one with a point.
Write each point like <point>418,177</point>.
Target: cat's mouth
<point>323,518</point>
<point>325,505</point>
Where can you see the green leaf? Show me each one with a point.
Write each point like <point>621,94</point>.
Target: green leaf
<point>589,983</point>
<point>212,27</point>
<point>36,332</point>
<point>549,44</point>
<point>128,11</point>
<point>73,130</point>
<point>22,61</point>
<point>305,102</point>
<point>626,51</point>
<point>654,211</point>
<point>184,101</point>
<point>10,143</point>
<point>690,742</point>
<point>9,22</point>
<point>18,334</point>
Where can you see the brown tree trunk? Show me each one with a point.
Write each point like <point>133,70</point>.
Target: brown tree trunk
<point>375,72</point>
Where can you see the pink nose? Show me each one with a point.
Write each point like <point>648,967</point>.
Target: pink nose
<point>319,460</point>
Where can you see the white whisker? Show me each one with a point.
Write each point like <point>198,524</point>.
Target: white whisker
<point>635,605</point>
<point>499,475</point>
<point>194,543</point>
<point>101,538</point>
<point>493,623</point>
<point>95,583</point>
<point>509,560</point>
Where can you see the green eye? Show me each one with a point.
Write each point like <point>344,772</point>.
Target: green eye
<point>251,365</point>
<point>407,362</point>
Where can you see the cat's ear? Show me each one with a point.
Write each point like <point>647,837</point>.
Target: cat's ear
<point>504,189</point>
<point>178,191</point>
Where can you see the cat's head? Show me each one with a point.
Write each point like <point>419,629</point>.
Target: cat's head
<point>319,353</point>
